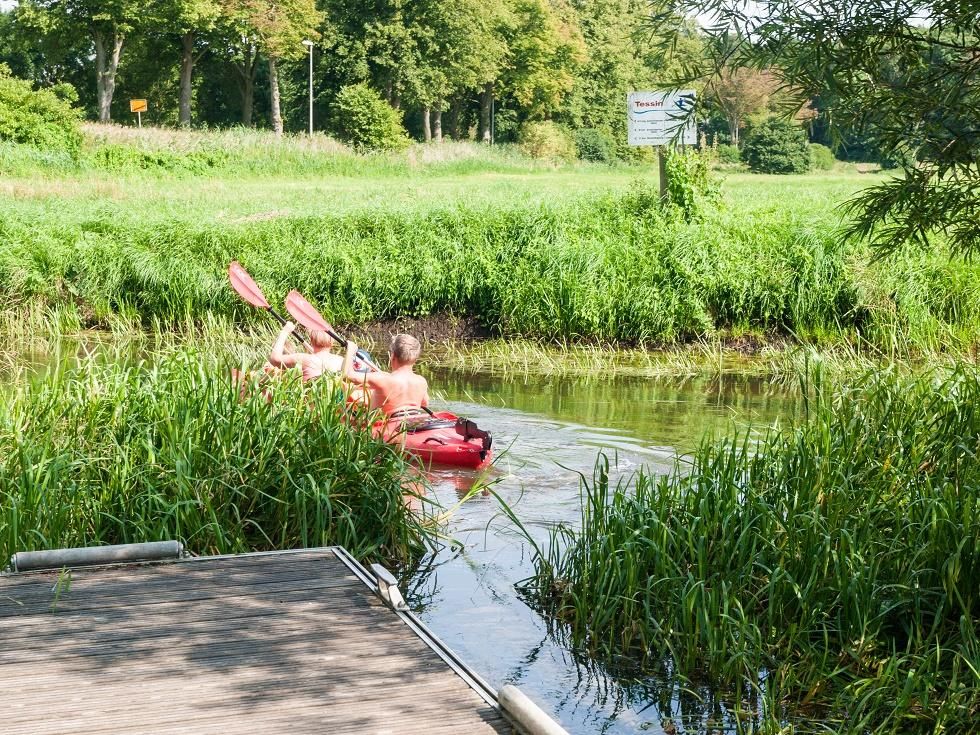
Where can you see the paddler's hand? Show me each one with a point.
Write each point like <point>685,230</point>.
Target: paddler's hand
<point>288,327</point>
<point>351,348</point>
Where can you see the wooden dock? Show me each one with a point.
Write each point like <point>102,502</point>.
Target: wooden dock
<point>286,642</point>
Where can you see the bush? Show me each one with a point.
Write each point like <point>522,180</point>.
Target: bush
<point>121,157</point>
<point>777,147</point>
<point>546,140</point>
<point>43,118</point>
<point>729,153</point>
<point>821,157</point>
<point>366,121</point>
<point>689,181</point>
<point>593,144</point>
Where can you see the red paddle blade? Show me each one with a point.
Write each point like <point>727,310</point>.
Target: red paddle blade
<point>245,286</point>
<point>303,312</point>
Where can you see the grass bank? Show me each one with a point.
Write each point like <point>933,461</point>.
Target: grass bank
<point>834,568</point>
<point>104,453</point>
<point>555,254</point>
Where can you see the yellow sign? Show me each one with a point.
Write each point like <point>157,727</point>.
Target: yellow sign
<point>137,105</point>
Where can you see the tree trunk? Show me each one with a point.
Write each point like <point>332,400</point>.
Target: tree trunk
<point>246,82</point>
<point>276,112</point>
<point>437,125</point>
<point>426,124</point>
<point>486,100</point>
<point>454,110</point>
<point>186,72</point>
<point>106,64</point>
<point>733,129</point>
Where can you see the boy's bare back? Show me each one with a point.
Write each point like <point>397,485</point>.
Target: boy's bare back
<point>399,389</point>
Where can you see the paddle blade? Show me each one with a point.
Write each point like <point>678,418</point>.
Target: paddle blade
<point>304,313</point>
<point>245,286</point>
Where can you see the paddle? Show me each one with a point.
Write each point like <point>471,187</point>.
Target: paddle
<point>306,314</point>
<point>246,287</point>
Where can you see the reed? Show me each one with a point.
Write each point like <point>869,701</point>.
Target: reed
<point>833,570</point>
<point>166,448</point>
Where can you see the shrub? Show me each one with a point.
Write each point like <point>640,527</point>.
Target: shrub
<point>729,153</point>
<point>43,118</point>
<point>593,144</point>
<point>366,121</point>
<point>821,157</point>
<point>689,181</point>
<point>121,157</point>
<point>546,140</point>
<point>777,147</point>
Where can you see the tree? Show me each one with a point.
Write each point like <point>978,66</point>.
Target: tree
<point>741,94</point>
<point>545,48</point>
<point>188,19</point>
<point>279,29</point>
<point>777,146</point>
<point>459,51</point>
<point>240,42</point>
<point>904,74</point>
<point>106,22</point>
<point>614,68</point>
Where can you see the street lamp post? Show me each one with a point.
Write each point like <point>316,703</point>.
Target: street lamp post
<point>309,45</point>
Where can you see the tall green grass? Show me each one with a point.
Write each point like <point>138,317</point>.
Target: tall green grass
<point>106,453</point>
<point>141,228</point>
<point>610,267</point>
<point>834,567</point>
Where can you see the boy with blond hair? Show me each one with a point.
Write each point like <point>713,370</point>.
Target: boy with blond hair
<point>399,393</point>
<point>314,364</point>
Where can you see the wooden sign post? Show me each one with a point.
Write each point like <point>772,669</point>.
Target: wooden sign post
<point>139,107</point>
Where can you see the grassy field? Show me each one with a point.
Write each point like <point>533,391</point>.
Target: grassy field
<point>133,233</point>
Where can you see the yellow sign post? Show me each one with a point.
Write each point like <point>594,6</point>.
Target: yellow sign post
<point>139,107</point>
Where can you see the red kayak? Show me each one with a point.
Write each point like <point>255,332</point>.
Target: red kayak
<point>438,438</point>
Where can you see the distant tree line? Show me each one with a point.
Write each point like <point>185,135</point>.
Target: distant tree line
<point>456,68</point>
<point>445,65</point>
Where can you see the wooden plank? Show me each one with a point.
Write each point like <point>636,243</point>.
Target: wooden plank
<point>291,642</point>
<point>206,566</point>
<point>84,582</point>
<point>68,602</point>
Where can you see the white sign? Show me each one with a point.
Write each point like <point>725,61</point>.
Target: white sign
<point>655,118</point>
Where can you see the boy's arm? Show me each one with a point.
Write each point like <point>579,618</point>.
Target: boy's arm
<point>278,357</point>
<point>370,379</point>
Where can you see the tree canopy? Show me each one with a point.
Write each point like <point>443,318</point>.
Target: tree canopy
<point>903,74</point>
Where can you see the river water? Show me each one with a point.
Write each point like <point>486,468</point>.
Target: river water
<point>546,432</point>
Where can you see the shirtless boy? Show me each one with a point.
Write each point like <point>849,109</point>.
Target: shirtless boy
<point>314,364</point>
<point>399,393</point>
